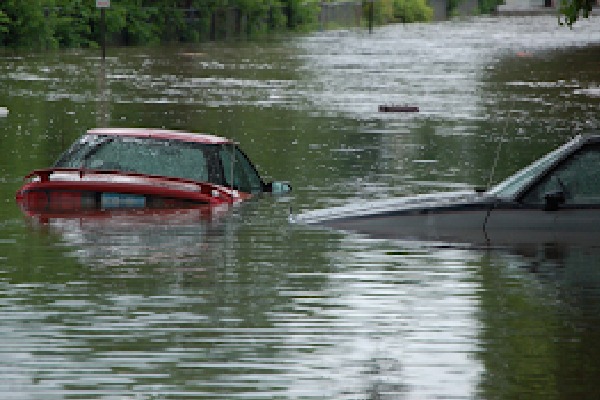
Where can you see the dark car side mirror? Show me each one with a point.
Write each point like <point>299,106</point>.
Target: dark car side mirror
<point>554,200</point>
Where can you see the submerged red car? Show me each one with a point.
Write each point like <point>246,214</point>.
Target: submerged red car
<point>137,167</point>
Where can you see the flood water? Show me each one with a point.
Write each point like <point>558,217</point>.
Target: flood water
<point>243,304</point>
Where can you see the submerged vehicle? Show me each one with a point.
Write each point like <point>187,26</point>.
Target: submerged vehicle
<point>138,168</point>
<point>557,198</point>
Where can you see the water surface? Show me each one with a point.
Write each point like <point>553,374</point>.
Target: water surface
<point>241,304</point>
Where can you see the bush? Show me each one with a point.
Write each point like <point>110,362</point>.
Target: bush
<point>4,24</point>
<point>24,24</point>
<point>412,11</point>
<point>386,11</point>
<point>76,23</point>
<point>71,24</point>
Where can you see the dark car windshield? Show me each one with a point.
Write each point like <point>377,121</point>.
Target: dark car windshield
<point>201,162</point>
<point>517,183</point>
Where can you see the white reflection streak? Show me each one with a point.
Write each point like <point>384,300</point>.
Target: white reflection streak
<point>393,326</point>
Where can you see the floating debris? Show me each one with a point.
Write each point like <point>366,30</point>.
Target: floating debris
<point>192,54</point>
<point>3,111</point>
<point>398,108</point>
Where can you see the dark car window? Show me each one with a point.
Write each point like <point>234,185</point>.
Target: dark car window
<point>197,161</point>
<point>244,175</point>
<point>516,183</point>
<point>578,179</point>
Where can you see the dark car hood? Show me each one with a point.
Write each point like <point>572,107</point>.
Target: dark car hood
<point>384,206</point>
<point>451,218</point>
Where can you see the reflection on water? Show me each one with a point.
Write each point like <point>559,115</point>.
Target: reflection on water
<point>397,318</point>
<point>354,318</point>
<point>122,237</point>
<point>537,340</point>
<point>243,304</point>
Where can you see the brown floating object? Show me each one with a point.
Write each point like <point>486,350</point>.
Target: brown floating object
<point>395,108</point>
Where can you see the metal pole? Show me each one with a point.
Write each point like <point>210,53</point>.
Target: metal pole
<point>103,23</point>
<point>371,16</point>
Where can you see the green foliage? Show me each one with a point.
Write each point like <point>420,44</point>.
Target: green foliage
<point>452,7</point>
<point>136,26</point>
<point>77,23</point>
<point>572,10</point>
<point>25,25</point>
<point>412,11</point>
<point>4,23</point>
<point>382,11</point>
<point>489,6</point>
<point>70,21</point>
<point>301,13</point>
<point>385,11</point>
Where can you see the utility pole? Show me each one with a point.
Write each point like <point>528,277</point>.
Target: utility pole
<point>103,18</point>
<point>103,5</point>
<point>371,15</point>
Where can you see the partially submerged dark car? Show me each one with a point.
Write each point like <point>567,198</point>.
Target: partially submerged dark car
<point>557,198</point>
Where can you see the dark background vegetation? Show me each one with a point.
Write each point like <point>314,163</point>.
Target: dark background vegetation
<point>49,24</point>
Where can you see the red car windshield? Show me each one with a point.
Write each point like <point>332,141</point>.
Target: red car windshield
<point>221,164</point>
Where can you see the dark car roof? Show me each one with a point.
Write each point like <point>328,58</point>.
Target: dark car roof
<point>591,137</point>
<point>160,134</point>
<point>575,144</point>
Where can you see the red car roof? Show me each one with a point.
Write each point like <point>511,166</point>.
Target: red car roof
<point>160,134</point>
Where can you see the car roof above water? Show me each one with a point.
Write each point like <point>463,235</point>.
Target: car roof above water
<point>160,134</point>
<point>591,137</point>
